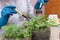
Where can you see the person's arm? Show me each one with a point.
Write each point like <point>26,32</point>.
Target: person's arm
<point>5,13</point>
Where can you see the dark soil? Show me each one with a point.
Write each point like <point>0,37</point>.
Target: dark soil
<point>40,35</point>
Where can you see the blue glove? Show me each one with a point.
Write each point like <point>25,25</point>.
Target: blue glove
<point>6,12</point>
<point>37,5</point>
<point>41,1</point>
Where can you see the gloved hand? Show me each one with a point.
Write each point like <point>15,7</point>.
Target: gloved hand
<point>8,10</point>
<point>5,13</point>
<point>41,1</point>
<point>37,5</point>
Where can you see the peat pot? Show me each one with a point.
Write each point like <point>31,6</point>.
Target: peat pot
<point>41,35</point>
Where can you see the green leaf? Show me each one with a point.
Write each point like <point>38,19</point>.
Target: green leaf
<point>17,39</point>
<point>37,25</point>
<point>10,34</point>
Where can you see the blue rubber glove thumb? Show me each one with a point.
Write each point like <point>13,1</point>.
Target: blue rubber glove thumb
<point>8,10</point>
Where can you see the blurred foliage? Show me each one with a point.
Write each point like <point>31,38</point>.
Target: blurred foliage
<point>40,23</point>
<point>25,30</point>
<point>15,32</point>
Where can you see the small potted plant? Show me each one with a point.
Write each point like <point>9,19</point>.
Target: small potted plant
<point>36,28</point>
<point>39,27</point>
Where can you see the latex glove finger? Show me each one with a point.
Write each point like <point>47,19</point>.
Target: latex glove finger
<point>8,11</point>
<point>41,1</point>
<point>10,6</point>
<point>37,5</point>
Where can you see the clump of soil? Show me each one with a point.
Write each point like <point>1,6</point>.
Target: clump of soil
<point>41,35</point>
